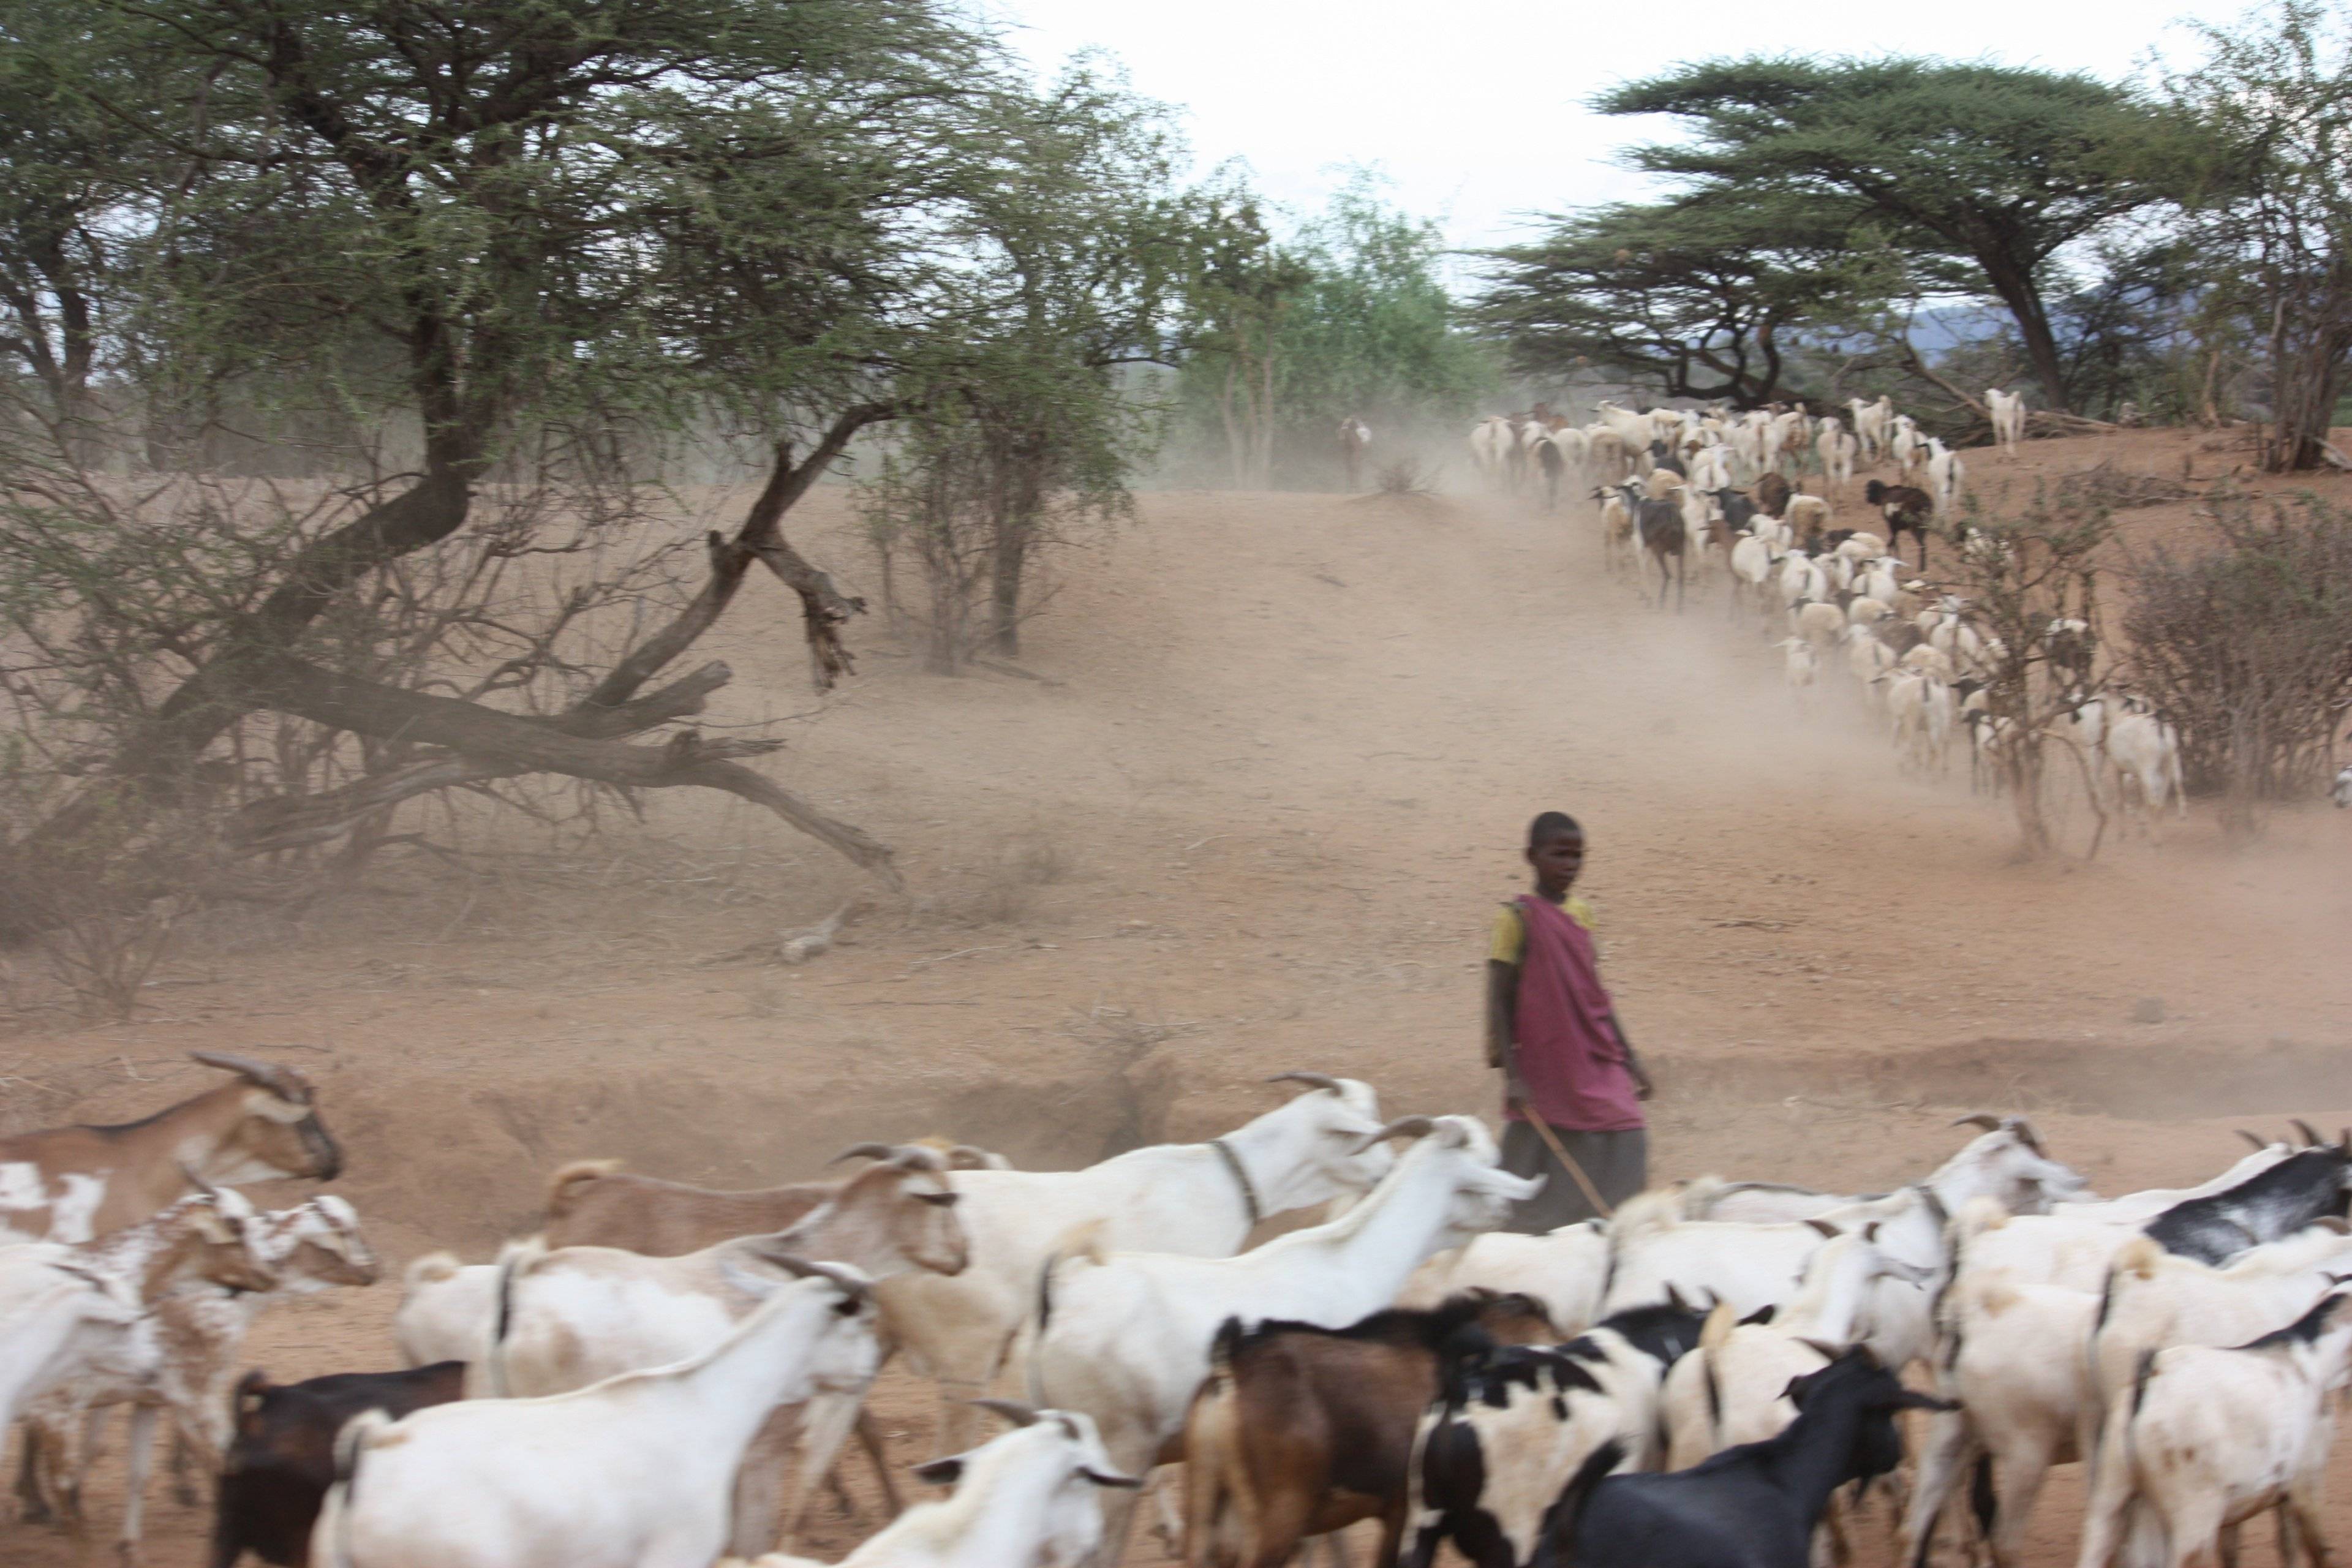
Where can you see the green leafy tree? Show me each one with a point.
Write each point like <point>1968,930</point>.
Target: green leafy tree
<point>1700,297</point>
<point>494,253</point>
<point>2000,168</point>
<point>2261,136</point>
<point>1349,317</point>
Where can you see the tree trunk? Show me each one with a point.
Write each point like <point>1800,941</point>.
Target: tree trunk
<point>2305,366</point>
<point>2023,301</point>
<point>1236,441</point>
<point>1266,418</point>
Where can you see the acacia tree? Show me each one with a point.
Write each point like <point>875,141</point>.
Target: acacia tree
<point>1085,243</point>
<point>1998,167</point>
<point>2265,135</point>
<point>1243,285</point>
<point>1700,297</point>
<point>502,247</point>
<point>1373,332</point>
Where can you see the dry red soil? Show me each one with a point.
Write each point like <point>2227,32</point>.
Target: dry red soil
<point>1254,817</point>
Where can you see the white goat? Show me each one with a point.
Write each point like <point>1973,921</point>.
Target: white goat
<point>1025,1500</point>
<point>2012,1360</point>
<point>574,1315</point>
<point>1733,1389</point>
<point>637,1471</point>
<point>443,1305</point>
<point>2008,409</point>
<point>2155,1299</point>
<point>54,1316</point>
<point>182,1355</point>
<point>1565,1269</point>
<point>1198,1199</point>
<point>2211,1438</point>
<point>2144,753</point>
<point>1125,1336</point>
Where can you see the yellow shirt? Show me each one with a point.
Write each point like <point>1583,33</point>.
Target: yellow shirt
<point>1510,934</point>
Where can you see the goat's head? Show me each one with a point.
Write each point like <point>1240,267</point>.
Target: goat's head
<point>1482,1193</point>
<point>1877,1394</point>
<point>277,1132</point>
<point>211,1234</point>
<point>848,1353</point>
<point>1327,1135</point>
<point>316,1244</point>
<point>1060,1449</point>
<point>2006,1162</point>
<point>910,1192</point>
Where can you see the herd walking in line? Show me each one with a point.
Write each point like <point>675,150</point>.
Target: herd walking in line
<point>1709,494</point>
<point>1711,1377</point>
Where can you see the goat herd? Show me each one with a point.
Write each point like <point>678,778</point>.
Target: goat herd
<point>1710,1379</point>
<point>1913,657</point>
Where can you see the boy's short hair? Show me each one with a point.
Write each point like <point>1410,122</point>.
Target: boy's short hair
<point>1551,825</point>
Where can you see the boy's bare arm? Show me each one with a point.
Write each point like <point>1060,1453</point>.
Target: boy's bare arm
<point>1502,997</point>
<point>1643,1088</point>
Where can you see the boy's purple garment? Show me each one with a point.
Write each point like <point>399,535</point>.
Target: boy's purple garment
<point>1568,1057</point>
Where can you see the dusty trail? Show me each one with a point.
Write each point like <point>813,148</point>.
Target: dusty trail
<point>1254,818</point>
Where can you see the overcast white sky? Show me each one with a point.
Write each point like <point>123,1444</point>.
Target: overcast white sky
<point>1476,112</point>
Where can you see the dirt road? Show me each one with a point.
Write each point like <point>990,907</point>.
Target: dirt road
<point>1254,817</point>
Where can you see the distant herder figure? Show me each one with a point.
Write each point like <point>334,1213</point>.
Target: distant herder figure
<point>1552,1030</point>
<point>1355,439</point>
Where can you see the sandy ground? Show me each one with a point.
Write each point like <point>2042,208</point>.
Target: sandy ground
<point>1252,817</point>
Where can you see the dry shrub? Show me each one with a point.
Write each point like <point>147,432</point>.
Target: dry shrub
<point>104,956</point>
<point>1125,1034</point>
<point>2248,649</point>
<point>2104,486</point>
<point>1405,477</point>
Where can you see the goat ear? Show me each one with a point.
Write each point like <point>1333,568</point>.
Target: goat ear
<point>1105,1479</point>
<point>1870,1231</point>
<point>1763,1314</point>
<point>942,1472</point>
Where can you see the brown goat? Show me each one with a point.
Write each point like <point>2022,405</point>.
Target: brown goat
<point>1771,492</point>
<point>1301,1430</point>
<point>71,1183</point>
<point>595,1202</point>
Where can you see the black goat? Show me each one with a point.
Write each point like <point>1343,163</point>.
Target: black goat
<point>282,1459</point>
<point>1549,458</point>
<point>1663,457</point>
<point>1738,511</point>
<point>1753,1506</point>
<point>1906,510</point>
<point>2266,1206</point>
<point>1658,524</point>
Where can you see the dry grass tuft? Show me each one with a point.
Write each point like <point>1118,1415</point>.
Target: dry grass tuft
<point>2103,485</point>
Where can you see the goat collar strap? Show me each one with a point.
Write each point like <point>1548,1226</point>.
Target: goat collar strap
<point>1240,1178</point>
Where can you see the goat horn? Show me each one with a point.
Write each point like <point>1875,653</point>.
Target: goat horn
<point>283,1082</point>
<point>1311,1079</point>
<point>855,1283</point>
<point>2258,1144</point>
<point>2025,1133</point>
<point>1403,1127</point>
<point>2310,1139</point>
<point>1984,1119</point>
<point>864,1152</point>
<point>1012,1410</point>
